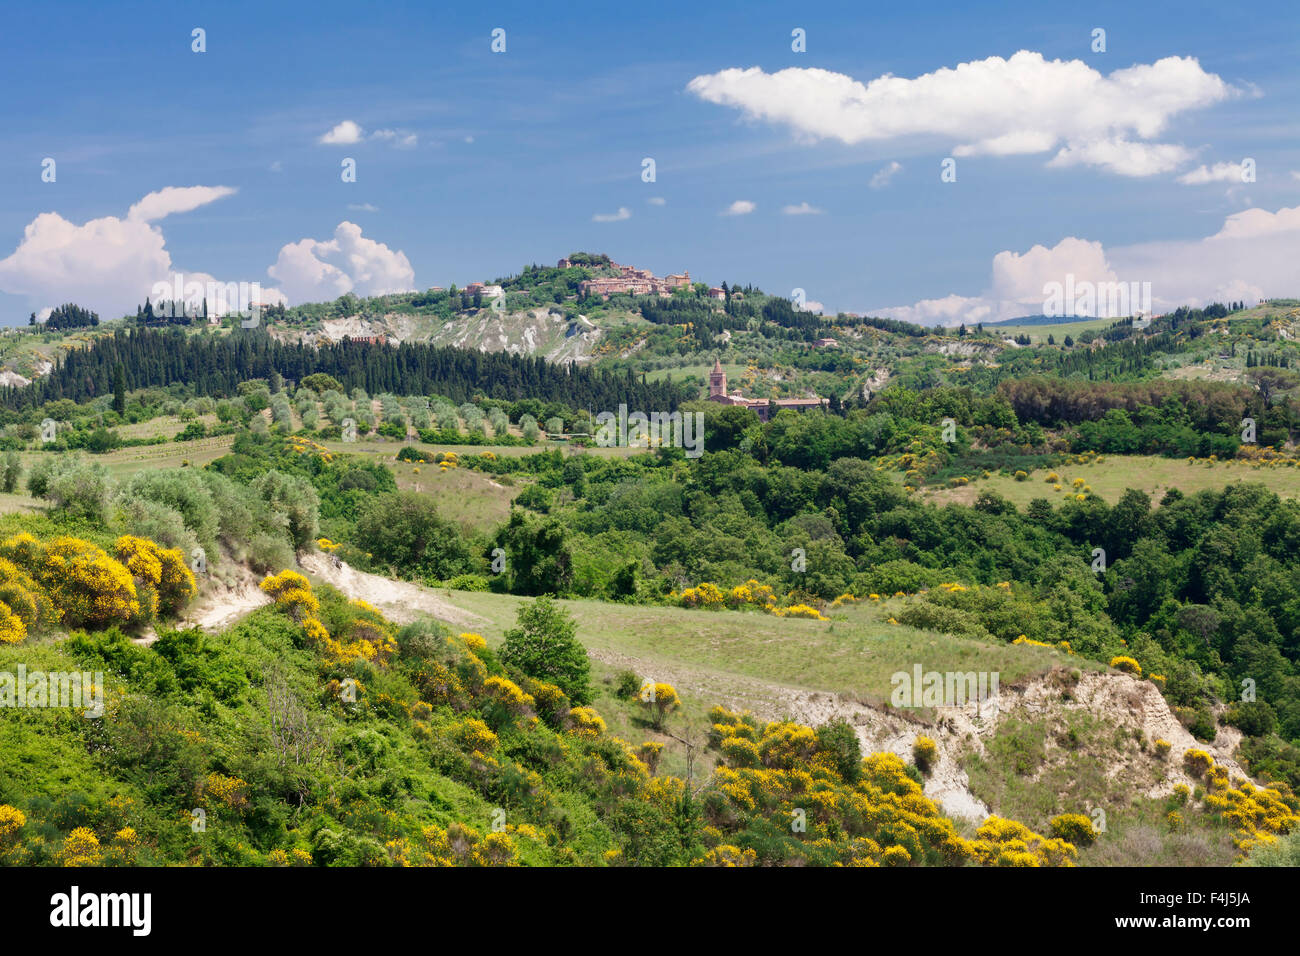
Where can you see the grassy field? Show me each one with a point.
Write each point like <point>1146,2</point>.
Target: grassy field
<point>16,502</point>
<point>1039,333</point>
<point>854,653</point>
<point>125,462</point>
<point>751,660</point>
<point>1112,475</point>
<point>475,500</point>
<point>168,426</point>
<point>388,448</point>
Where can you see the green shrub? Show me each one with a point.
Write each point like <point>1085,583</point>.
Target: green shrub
<point>543,645</point>
<point>80,491</point>
<point>628,684</point>
<point>924,753</point>
<point>404,530</point>
<point>839,739</point>
<point>468,582</point>
<point>11,470</point>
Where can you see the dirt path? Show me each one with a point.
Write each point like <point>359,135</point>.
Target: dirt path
<point>401,601</point>
<point>220,605</point>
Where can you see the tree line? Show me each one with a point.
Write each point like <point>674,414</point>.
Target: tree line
<point>215,365</point>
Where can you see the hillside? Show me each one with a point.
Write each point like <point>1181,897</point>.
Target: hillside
<point>289,741</point>
<point>234,729</point>
<point>647,652</point>
<point>719,661</point>
<point>640,323</point>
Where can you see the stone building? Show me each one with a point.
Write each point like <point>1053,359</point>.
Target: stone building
<point>765,407</point>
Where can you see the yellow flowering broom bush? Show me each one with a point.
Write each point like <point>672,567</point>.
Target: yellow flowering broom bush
<point>780,772</point>
<point>67,580</point>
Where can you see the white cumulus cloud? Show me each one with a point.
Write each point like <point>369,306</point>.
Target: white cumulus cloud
<point>314,270</point>
<point>108,264</point>
<point>173,199</point>
<point>803,209</point>
<point>1218,173</point>
<point>1251,257</point>
<point>741,207</point>
<point>996,106</point>
<point>623,213</point>
<point>1124,157</point>
<point>343,134</point>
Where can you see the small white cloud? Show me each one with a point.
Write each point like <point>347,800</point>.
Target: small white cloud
<point>1295,174</point>
<point>1218,173</point>
<point>803,209</point>
<point>277,167</point>
<point>1123,157</point>
<point>469,139</point>
<point>164,202</point>
<point>363,207</point>
<point>343,134</point>
<point>623,213</point>
<point>657,201</point>
<point>883,175</point>
<point>400,138</point>
<point>741,207</point>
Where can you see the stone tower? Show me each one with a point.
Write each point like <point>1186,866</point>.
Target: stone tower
<point>717,381</point>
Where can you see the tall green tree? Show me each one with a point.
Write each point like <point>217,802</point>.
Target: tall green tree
<point>119,389</point>
<point>543,644</point>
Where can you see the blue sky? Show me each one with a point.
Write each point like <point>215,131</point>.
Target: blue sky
<point>472,163</point>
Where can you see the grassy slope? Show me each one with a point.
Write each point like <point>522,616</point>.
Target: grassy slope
<point>751,660</point>
<point>855,653</point>
<point>1039,333</point>
<point>1117,473</point>
<point>1033,768</point>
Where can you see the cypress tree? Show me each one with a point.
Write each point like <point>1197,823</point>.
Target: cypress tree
<point>119,389</point>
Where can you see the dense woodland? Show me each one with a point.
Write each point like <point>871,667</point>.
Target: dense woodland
<point>68,316</point>
<point>214,365</point>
